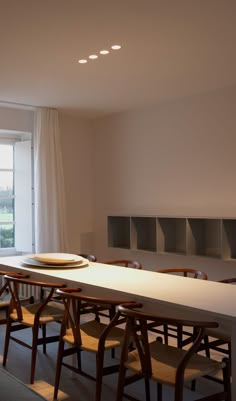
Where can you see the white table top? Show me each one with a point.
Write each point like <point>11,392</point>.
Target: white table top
<point>207,296</point>
<point>158,292</point>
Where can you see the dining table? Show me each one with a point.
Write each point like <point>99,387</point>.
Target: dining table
<point>160,294</point>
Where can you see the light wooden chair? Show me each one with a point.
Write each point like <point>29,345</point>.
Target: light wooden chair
<point>91,336</point>
<point>165,364</point>
<point>31,316</point>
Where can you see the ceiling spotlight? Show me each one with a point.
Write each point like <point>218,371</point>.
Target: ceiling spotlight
<point>116,47</point>
<point>93,56</point>
<point>83,61</point>
<point>104,51</point>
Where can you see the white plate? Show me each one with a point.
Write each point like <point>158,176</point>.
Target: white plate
<point>56,258</point>
<point>35,263</point>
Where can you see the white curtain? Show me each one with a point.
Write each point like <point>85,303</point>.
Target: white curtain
<point>50,222</point>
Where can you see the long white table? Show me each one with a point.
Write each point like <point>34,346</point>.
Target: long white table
<point>158,292</point>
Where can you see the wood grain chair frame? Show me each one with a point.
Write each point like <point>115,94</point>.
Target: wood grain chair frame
<point>165,364</point>
<point>34,316</point>
<point>91,336</point>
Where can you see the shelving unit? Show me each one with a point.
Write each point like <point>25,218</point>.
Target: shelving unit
<point>119,232</point>
<point>204,237</point>
<point>144,233</point>
<point>172,235</point>
<point>229,238</point>
<point>210,237</point>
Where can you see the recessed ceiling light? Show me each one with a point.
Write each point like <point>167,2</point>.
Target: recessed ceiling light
<point>116,47</point>
<point>83,61</point>
<point>93,56</point>
<point>104,51</point>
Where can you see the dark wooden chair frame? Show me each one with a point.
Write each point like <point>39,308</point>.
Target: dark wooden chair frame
<point>13,283</point>
<point>137,329</point>
<point>178,332</point>
<point>73,299</point>
<point>134,264</point>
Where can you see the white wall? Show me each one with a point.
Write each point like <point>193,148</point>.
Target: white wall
<point>175,159</point>
<point>16,120</point>
<point>76,140</point>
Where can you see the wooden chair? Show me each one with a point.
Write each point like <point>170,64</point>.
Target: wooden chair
<point>91,258</point>
<point>178,332</point>
<point>186,272</point>
<point>215,339</point>
<point>31,316</point>
<point>163,363</point>
<point>91,336</point>
<point>5,296</point>
<point>126,263</point>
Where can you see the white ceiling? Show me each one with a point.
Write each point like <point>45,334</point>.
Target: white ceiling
<point>170,49</point>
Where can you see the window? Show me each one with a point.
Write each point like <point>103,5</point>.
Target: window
<point>15,193</point>
<point>7,210</point>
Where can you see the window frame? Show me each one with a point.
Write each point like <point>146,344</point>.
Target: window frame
<point>10,138</point>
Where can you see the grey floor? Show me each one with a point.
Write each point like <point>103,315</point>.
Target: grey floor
<point>72,387</point>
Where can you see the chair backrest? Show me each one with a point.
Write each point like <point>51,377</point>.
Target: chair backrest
<point>4,290</point>
<point>186,272</point>
<point>137,326</point>
<point>91,258</point>
<point>74,299</point>
<point>4,285</point>
<point>126,263</point>
<point>231,280</point>
<point>14,282</point>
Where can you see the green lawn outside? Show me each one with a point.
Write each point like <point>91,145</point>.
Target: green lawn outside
<point>6,217</point>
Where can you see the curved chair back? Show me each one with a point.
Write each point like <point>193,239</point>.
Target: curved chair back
<point>231,280</point>
<point>186,272</point>
<point>90,335</point>
<point>163,363</point>
<point>91,258</point>
<point>126,263</point>
<point>25,315</point>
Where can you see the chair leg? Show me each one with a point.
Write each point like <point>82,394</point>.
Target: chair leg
<point>58,368</point>
<point>159,392</point>
<point>121,383</point>
<point>79,362</point>
<point>147,389</point>
<point>179,336</point>
<point>7,340</point>
<point>99,374</point>
<point>165,329</point>
<point>35,330</point>
<point>206,344</point>
<point>44,338</point>
<point>226,378</point>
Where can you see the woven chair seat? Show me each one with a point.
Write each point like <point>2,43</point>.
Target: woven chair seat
<point>91,332</point>
<point>49,314</point>
<point>165,359</point>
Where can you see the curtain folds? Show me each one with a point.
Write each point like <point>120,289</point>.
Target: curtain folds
<point>50,222</point>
